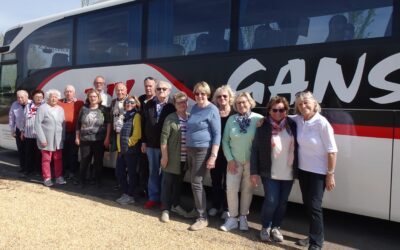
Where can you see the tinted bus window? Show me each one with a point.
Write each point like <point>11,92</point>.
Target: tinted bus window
<point>265,24</point>
<point>49,46</point>
<point>110,35</point>
<point>179,28</point>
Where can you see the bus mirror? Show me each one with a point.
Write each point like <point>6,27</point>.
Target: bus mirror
<point>4,49</point>
<point>47,51</point>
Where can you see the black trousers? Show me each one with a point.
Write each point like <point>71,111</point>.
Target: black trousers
<point>89,150</point>
<point>218,181</point>
<point>171,185</point>
<point>21,150</point>
<point>312,187</point>
<point>142,175</point>
<point>70,154</point>
<point>33,156</point>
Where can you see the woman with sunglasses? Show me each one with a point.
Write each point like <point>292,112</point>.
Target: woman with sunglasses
<point>223,99</point>
<point>128,147</point>
<point>317,162</point>
<point>274,159</point>
<point>203,138</point>
<point>236,142</point>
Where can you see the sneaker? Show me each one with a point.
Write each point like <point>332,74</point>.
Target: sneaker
<point>48,182</point>
<point>128,200</point>
<point>243,225</point>
<point>225,215</point>
<point>264,234</point>
<point>179,210</point>
<point>192,214</point>
<point>200,223</point>
<point>151,204</point>
<point>231,223</point>
<point>60,180</point>
<point>123,197</point>
<point>303,242</point>
<point>212,212</point>
<point>165,216</point>
<point>276,234</point>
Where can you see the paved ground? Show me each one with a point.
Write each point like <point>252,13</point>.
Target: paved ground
<point>33,216</point>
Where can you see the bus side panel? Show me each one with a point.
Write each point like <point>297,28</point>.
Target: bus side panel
<point>395,202</point>
<point>6,140</point>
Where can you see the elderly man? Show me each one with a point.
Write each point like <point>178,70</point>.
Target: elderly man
<point>71,107</point>
<point>154,113</point>
<point>16,119</point>
<point>99,84</point>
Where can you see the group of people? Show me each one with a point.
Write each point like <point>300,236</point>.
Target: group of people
<point>242,149</point>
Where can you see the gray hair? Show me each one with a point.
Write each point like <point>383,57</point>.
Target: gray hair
<point>163,82</point>
<point>69,87</point>
<point>22,92</point>
<point>53,92</point>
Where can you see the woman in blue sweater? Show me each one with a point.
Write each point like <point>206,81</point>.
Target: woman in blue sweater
<point>202,139</point>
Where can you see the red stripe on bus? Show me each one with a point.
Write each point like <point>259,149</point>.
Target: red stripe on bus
<point>42,84</point>
<point>174,81</point>
<point>367,131</point>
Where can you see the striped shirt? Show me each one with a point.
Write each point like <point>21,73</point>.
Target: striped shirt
<point>30,114</point>
<point>183,126</point>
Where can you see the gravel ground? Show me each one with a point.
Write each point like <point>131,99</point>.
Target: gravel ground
<point>35,217</point>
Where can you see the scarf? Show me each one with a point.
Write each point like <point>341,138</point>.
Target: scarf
<point>276,141</point>
<point>32,109</point>
<point>128,115</point>
<point>243,121</point>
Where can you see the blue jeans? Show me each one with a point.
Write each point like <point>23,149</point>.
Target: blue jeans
<point>276,194</point>
<point>154,185</point>
<point>125,170</point>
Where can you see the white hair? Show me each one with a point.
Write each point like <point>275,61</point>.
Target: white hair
<point>163,82</point>
<point>22,92</point>
<point>53,92</point>
<point>69,87</point>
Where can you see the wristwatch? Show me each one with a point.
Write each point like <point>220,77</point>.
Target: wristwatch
<point>330,172</point>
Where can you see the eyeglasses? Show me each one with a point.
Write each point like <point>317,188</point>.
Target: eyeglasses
<point>130,102</point>
<point>163,89</point>
<point>200,94</point>
<point>222,96</point>
<point>278,110</point>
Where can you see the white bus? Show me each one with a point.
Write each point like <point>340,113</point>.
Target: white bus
<point>346,51</point>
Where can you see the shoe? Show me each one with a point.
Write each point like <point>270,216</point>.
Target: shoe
<point>179,210</point>
<point>264,234</point>
<point>165,216</point>
<point>231,223</point>
<point>126,200</point>
<point>192,214</point>
<point>243,225</point>
<point>225,215</point>
<point>150,204</point>
<point>212,212</point>
<point>276,234</point>
<point>303,242</point>
<point>60,180</point>
<point>314,247</point>
<point>123,197</point>
<point>48,182</point>
<point>200,224</point>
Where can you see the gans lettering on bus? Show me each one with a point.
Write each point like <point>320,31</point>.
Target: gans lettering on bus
<point>328,72</point>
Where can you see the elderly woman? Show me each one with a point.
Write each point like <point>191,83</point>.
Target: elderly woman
<point>236,142</point>
<point>274,159</point>
<point>92,135</point>
<point>50,132</point>
<point>173,157</point>
<point>317,161</point>
<point>202,140</point>
<point>223,99</point>
<point>128,146</point>
<point>28,133</point>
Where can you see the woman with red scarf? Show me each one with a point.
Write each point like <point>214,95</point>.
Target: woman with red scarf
<point>274,159</point>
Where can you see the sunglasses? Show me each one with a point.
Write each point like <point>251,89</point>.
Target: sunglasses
<point>163,89</point>
<point>200,94</point>
<point>222,96</point>
<point>130,102</point>
<point>278,110</point>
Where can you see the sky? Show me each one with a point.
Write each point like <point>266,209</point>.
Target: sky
<point>13,12</point>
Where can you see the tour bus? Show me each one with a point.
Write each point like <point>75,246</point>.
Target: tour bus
<point>347,52</point>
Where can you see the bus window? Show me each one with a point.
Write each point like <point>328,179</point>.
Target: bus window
<point>179,28</point>
<point>110,35</point>
<point>46,46</point>
<point>267,24</point>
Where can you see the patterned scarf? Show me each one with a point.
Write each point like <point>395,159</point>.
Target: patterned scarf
<point>243,121</point>
<point>32,109</point>
<point>276,141</point>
